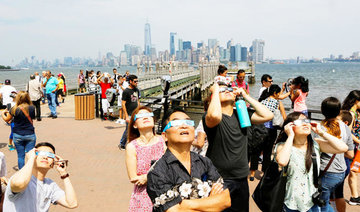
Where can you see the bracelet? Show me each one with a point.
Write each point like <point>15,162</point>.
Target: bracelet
<point>65,176</point>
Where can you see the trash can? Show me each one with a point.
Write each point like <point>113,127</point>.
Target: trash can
<point>84,106</point>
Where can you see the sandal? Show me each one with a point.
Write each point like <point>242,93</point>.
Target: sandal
<point>11,147</point>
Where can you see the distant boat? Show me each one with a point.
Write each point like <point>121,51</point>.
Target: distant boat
<point>9,69</point>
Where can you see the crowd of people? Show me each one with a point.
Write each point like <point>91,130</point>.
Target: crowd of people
<point>197,168</point>
<point>316,154</point>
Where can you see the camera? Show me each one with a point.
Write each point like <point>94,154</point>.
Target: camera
<point>316,198</point>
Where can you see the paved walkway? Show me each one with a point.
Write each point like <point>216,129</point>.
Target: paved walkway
<point>96,165</point>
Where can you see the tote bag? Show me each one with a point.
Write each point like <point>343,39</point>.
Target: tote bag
<point>269,194</point>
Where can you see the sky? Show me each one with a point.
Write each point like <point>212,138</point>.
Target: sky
<point>50,29</point>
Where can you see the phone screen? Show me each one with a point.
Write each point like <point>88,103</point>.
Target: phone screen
<point>8,106</point>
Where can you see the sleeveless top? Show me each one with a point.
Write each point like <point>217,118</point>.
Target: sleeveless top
<point>299,103</point>
<point>146,154</point>
<point>356,125</point>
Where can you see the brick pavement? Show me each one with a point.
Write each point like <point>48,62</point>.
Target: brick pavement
<point>96,165</point>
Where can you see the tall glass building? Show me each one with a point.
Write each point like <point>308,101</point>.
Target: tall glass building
<point>172,43</point>
<point>147,48</point>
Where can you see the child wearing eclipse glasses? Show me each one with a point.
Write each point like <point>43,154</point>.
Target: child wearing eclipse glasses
<point>29,190</point>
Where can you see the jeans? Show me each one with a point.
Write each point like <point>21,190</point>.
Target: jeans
<point>328,184</point>
<point>37,107</point>
<point>314,208</point>
<point>23,144</point>
<point>56,98</point>
<point>239,194</point>
<point>43,98</point>
<point>51,102</point>
<point>124,136</point>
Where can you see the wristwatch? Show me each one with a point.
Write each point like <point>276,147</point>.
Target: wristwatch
<point>65,176</point>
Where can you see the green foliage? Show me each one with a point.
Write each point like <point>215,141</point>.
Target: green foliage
<point>5,67</point>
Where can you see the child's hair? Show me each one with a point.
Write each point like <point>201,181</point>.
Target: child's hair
<point>346,116</point>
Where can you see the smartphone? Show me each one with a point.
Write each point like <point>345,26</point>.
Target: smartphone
<point>8,107</point>
<point>313,124</point>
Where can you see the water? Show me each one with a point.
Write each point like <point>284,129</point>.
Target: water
<point>330,79</point>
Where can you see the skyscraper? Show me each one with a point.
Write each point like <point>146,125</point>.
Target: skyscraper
<point>172,43</point>
<point>232,53</point>
<point>243,54</point>
<point>180,44</point>
<point>147,48</point>
<point>237,52</point>
<point>212,43</point>
<point>186,45</point>
<point>258,51</point>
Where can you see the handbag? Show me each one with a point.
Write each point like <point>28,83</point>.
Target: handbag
<point>278,119</point>
<point>269,194</point>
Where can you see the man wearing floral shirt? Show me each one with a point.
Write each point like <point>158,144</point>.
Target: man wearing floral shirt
<point>182,180</point>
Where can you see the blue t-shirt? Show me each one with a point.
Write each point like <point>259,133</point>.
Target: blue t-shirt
<point>51,84</point>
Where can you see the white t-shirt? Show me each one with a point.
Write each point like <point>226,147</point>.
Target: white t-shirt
<point>261,90</point>
<point>5,92</point>
<point>35,198</point>
<point>120,91</point>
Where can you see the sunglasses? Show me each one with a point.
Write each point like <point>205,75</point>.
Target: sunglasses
<point>143,115</point>
<point>178,123</point>
<point>269,81</point>
<point>46,154</point>
<point>135,81</point>
<point>223,89</point>
<point>300,122</point>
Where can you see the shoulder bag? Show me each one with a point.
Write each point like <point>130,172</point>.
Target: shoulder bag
<point>269,194</point>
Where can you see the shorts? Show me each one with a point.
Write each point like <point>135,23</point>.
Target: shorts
<point>82,85</point>
<point>60,92</point>
<point>105,105</point>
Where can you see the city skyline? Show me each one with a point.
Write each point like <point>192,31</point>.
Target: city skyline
<point>83,28</point>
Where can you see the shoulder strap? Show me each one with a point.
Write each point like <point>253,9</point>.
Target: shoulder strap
<point>315,170</point>
<point>328,165</point>
<point>26,114</point>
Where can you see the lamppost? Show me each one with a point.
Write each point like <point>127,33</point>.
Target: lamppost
<point>165,86</point>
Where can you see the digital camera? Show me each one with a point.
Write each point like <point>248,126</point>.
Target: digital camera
<point>316,198</point>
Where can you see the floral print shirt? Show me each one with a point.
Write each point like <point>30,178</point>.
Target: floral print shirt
<point>300,183</point>
<point>169,182</point>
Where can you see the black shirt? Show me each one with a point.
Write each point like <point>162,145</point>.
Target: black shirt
<point>22,125</point>
<point>131,96</point>
<point>228,147</point>
<point>169,172</point>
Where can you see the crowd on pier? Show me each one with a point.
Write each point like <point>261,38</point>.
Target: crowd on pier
<point>205,167</point>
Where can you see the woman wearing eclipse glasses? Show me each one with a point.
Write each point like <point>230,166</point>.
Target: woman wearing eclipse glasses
<point>144,147</point>
<point>295,148</point>
<point>29,190</point>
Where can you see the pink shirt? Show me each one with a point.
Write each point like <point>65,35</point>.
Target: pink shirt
<point>243,85</point>
<point>299,103</point>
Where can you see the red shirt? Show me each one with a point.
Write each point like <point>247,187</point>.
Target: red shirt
<point>104,87</point>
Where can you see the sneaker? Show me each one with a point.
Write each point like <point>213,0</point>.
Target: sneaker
<point>38,119</point>
<point>11,147</point>
<point>121,147</point>
<point>354,201</point>
<point>51,115</point>
<point>54,117</point>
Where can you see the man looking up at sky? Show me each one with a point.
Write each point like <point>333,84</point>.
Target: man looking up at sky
<point>170,178</point>
<point>130,101</point>
<point>28,189</point>
<point>228,141</point>
<point>51,85</point>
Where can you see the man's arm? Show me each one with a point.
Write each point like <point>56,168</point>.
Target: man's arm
<point>216,202</point>
<point>123,102</point>
<point>214,113</point>
<point>21,179</point>
<point>262,113</point>
<point>70,199</point>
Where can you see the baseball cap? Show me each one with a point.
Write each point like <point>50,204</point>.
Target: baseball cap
<point>7,82</point>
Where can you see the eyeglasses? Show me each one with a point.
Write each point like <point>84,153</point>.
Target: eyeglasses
<point>269,81</point>
<point>143,115</point>
<point>223,89</point>
<point>135,81</point>
<point>46,154</point>
<point>300,122</point>
<point>178,123</point>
